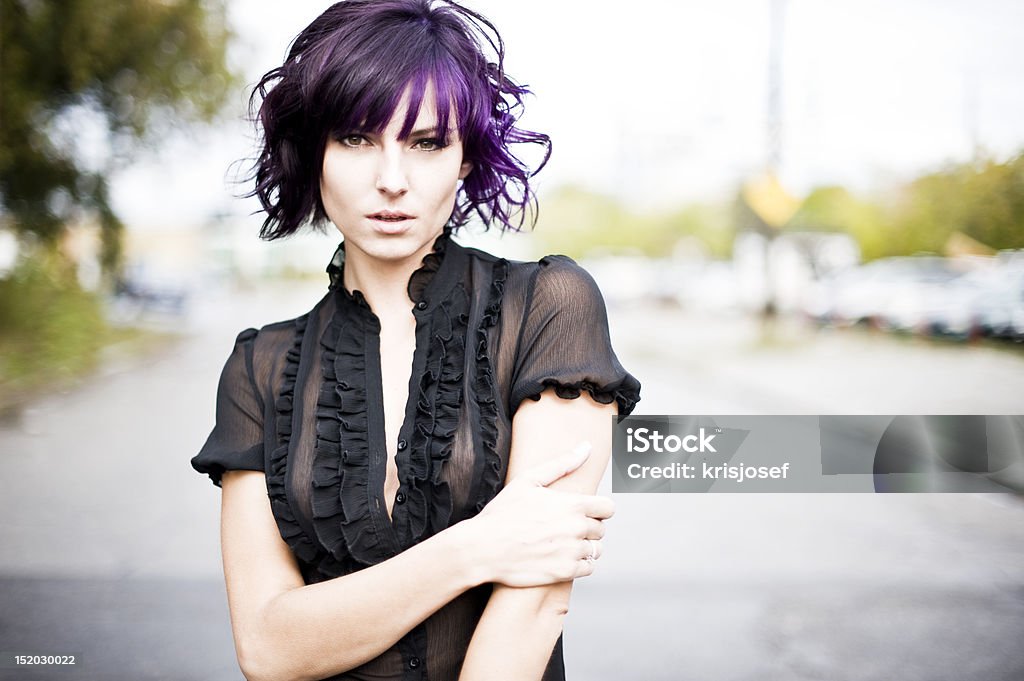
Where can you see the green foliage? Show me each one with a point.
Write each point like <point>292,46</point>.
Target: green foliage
<point>707,222</point>
<point>50,329</point>
<point>835,209</point>
<point>579,223</point>
<point>984,200</point>
<point>130,68</point>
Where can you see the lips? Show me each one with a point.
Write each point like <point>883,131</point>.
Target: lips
<point>390,216</point>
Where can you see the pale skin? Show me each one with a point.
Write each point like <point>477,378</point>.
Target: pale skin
<point>531,541</point>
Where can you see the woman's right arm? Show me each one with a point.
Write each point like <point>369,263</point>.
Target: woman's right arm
<point>287,630</point>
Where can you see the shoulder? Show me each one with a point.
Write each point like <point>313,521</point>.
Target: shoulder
<point>552,280</point>
<point>554,265</point>
<point>277,337</point>
<point>559,280</point>
<point>277,334</point>
<point>264,339</point>
<point>263,351</point>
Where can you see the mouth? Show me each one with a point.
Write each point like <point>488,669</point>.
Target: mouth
<point>390,216</point>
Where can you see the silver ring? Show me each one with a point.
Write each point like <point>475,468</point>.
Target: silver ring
<point>593,550</point>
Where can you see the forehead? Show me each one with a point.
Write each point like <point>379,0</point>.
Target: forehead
<point>425,113</point>
<point>398,106</point>
<point>415,110</point>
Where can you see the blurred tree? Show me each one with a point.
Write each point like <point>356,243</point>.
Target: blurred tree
<point>927,211</point>
<point>835,209</point>
<point>984,200</point>
<point>575,221</point>
<point>996,207</point>
<point>578,223</point>
<point>710,223</point>
<point>82,84</point>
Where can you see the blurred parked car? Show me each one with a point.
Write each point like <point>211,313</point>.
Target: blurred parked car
<point>1000,312</point>
<point>916,297</point>
<point>887,291</point>
<point>712,288</point>
<point>926,294</point>
<point>146,291</point>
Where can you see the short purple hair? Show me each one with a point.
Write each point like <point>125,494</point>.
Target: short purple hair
<point>348,70</point>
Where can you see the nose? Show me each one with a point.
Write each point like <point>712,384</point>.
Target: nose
<point>392,179</point>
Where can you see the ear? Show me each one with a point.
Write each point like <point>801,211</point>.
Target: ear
<point>465,169</point>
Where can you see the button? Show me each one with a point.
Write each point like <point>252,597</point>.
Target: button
<point>414,662</point>
<point>422,305</point>
<point>402,444</point>
<point>344,456</point>
<point>400,498</point>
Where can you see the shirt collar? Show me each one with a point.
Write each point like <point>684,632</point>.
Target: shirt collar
<point>424,283</point>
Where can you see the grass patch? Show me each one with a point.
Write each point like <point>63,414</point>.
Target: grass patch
<point>52,332</point>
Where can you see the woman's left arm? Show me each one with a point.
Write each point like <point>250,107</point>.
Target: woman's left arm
<point>520,626</point>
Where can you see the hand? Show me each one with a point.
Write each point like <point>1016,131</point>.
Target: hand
<point>529,535</point>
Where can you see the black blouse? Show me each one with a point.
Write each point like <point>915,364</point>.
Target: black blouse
<point>302,401</point>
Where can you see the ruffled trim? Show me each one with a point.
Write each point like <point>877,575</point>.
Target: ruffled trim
<point>428,506</point>
<point>341,494</point>
<point>624,392</point>
<point>430,265</point>
<point>420,278</point>
<point>342,514</point>
<point>485,390</point>
<point>291,531</point>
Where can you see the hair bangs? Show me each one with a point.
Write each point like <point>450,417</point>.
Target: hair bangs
<point>359,87</point>
<point>367,101</point>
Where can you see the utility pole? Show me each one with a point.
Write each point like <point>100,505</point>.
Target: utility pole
<point>774,151</point>
<point>773,156</point>
<point>971,105</point>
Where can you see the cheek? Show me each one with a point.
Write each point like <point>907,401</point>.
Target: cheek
<point>444,194</point>
<point>333,172</point>
<point>336,189</point>
<point>338,180</point>
<point>327,179</point>
<point>442,182</point>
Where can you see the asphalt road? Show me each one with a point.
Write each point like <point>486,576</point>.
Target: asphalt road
<point>110,539</point>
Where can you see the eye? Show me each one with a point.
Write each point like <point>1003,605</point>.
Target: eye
<point>429,144</point>
<point>351,140</point>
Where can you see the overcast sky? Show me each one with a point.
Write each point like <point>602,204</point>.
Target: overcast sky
<point>661,103</point>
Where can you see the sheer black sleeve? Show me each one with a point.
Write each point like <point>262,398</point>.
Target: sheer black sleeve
<point>236,442</point>
<point>564,342</point>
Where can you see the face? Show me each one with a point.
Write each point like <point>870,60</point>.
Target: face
<point>390,198</point>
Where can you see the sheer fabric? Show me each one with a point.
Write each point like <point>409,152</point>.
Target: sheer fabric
<point>302,401</point>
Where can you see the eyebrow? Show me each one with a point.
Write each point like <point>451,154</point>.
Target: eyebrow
<point>424,131</point>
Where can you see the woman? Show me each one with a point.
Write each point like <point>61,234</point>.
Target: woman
<point>394,507</point>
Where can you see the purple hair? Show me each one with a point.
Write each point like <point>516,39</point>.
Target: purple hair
<point>347,71</point>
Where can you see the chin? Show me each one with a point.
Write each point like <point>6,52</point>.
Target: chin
<point>396,247</point>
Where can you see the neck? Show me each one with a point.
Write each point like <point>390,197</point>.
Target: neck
<point>384,283</point>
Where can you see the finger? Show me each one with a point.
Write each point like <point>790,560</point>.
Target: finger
<point>594,529</point>
<point>601,508</point>
<point>549,471</point>
<point>584,568</point>
<point>591,549</point>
